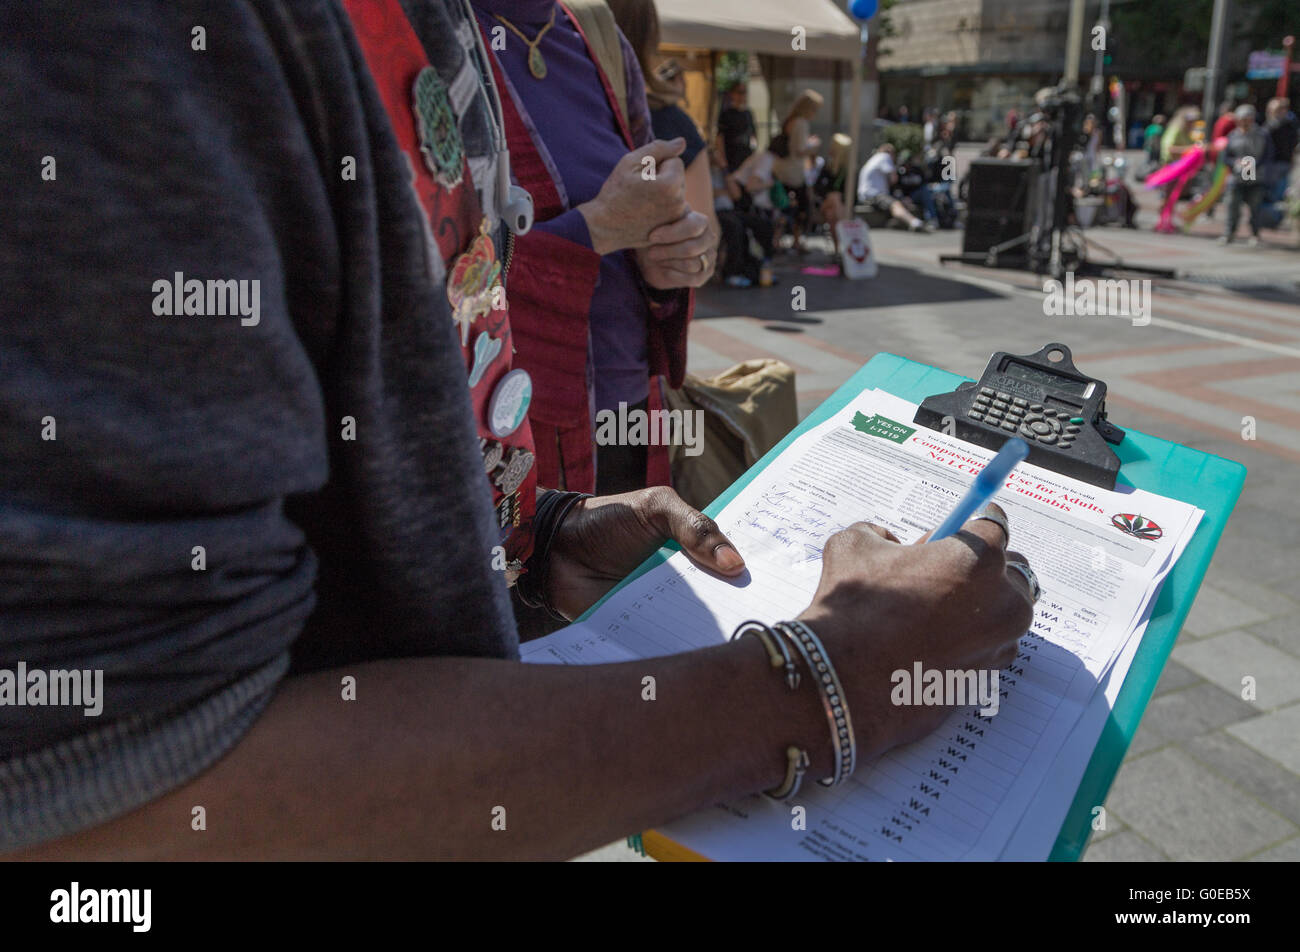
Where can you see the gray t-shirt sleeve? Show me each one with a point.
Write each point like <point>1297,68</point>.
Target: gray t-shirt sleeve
<point>175,495</point>
<point>147,454</point>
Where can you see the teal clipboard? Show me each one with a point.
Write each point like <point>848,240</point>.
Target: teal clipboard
<point>1206,481</point>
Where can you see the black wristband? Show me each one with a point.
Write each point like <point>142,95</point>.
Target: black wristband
<point>552,508</point>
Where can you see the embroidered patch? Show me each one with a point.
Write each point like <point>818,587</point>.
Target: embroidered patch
<point>440,141</point>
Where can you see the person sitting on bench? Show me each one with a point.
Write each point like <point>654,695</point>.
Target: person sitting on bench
<point>874,182</point>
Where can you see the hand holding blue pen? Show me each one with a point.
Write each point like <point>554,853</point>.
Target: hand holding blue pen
<point>990,479</point>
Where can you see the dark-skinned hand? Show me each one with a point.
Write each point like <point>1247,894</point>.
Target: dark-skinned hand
<point>604,538</point>
<point>880,606</point>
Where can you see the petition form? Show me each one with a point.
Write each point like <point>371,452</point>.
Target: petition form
<point>960,793</point>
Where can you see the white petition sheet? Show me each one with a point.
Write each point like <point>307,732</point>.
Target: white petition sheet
<point>962,791</point>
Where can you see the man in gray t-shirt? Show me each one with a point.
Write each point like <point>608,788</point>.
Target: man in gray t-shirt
<point>268,526</point>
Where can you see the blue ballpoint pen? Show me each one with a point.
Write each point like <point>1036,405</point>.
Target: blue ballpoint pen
<point>986,485</point>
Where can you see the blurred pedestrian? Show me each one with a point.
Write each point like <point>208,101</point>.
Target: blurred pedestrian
<point>940,173</point>
<point>1248,151</point>
<point>947,133</point>
<point>1090,142</point>
<point>1282,130</point>
<point>911,187</point>
<point>800,145</point>
<point>742,226</point>
<point>930,125</point>
<point>736,131</point>
<point>764,197</point>
<point>1177,138</point>
<point>1151,139</point>
<point>875,184</point>
<point>828,189</point>
<point>1226,121</point>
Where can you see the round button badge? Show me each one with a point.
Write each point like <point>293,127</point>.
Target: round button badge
<point>509,403</point>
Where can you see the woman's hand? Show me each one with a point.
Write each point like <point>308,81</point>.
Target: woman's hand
<point>604,538</point>
<point>682,254</point>
<point>647,188</point>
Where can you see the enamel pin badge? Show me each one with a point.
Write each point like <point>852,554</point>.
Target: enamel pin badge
<point>474,286</point>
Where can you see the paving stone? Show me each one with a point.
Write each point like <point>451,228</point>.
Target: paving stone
<point>1123,848</point>
<point>1226,659</point>
<point>1175,677</point>
<point>1288,852</point>
<point>1275,735</point>
<point>1146,739</point>
<point>1253,560</point>
<point>1192,813</point>
<point>1283,632</point>
<point>1266,525</point>
<point>1278,495</point>
<point>1271,600</point>
<point>1194,710</point>
<point>1254,773</point>
<point>1114,825</point>
<point>1216,610</point>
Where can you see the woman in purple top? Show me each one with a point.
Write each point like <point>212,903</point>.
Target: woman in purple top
<point>593,289</point>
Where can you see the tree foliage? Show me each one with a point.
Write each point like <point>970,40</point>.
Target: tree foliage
<point>1177,32</point>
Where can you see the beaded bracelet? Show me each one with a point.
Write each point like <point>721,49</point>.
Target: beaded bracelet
<point>833,700</point>
<point>796,759</point>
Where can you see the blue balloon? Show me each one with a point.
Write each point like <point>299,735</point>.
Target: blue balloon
<point>864,9</point>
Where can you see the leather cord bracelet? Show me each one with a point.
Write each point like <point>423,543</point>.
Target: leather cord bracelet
<point>553,506</point>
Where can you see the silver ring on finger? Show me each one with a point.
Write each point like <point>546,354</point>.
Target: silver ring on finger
<point>1035,589</point>
<point>999,520</point>
<point>704,262</point>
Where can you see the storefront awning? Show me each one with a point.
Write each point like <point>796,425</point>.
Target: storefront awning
<point>761,26</point>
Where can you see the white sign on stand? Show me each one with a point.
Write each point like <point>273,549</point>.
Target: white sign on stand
<point>857,260</point>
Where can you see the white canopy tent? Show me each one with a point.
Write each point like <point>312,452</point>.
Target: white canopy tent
<point>768,26</point>
<point>762,26</point>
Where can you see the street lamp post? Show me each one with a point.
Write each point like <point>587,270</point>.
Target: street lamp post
<point>1073,40</point>
<point>1213,65</point>
<point>1099,61</point>
<point>855,120</point>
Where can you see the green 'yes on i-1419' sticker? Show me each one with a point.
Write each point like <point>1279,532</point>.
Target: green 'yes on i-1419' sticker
<point>883,427</point>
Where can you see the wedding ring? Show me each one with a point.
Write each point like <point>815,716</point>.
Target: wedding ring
<point>999,520</point>
<point>704,262</point>
<point>1035,589</point>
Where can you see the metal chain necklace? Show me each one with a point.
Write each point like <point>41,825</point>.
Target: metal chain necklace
<point>536,65</point>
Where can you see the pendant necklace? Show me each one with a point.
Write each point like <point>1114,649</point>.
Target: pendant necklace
<point>536,65</point>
